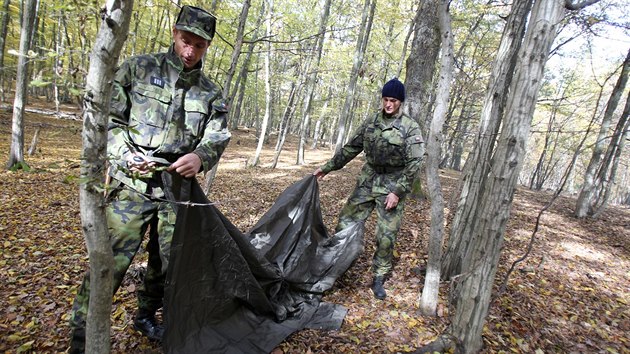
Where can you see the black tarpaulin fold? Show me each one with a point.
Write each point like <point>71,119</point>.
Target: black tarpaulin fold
<point>229,292</point>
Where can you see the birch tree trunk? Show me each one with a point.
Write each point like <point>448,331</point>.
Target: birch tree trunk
<point>16,155</point>
<point>429,297</point>
<point>587,193</point>
<point>109,42</point>
<point>364,34</point>
<point>472,291</point>
<point>263,129</point>
<point>476,168</point>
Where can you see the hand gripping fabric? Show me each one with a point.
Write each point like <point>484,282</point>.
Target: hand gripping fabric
<point>229,292</point>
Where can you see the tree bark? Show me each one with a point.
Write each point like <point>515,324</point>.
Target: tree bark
<point>472,292</point>
<point>4,24</point>
<point>16,155</point>
<point>103,60</point>
<point>477,167</point>
<point>312,80</point>
<point>235,114</point>
<point>364,34</point>
<point>263,129</point>
<point>608,171</point>
<point>587,194</point>
<point>429,298</point>
<point>423,55</point>
<point>285,122</point>
<point>238,44</point>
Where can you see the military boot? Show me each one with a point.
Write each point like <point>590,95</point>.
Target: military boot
<point>77,341</point>
<point>146,324</point>
<point>377,288</point>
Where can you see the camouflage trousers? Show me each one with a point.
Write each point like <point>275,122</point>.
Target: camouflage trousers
<point>129,215</point>
<point>358,208</point>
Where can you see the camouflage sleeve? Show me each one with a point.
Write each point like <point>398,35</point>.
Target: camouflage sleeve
<point>118,122</point>
<point>349,151</point>
<point>215,137</point>
<point>414,151</point>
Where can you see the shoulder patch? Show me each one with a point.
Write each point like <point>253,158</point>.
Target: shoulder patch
<point>220,105</point>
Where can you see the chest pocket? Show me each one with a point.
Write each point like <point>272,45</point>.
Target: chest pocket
<point>196,111</point>
<point>391,148</point>
<point>150,106</point>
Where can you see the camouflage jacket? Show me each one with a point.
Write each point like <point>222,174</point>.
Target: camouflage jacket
<point>163,111</point>
<point>393,148</point>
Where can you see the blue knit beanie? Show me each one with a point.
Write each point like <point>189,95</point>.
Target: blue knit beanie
<point>394,88</point>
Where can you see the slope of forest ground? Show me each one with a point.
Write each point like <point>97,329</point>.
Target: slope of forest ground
<point>570,296</point>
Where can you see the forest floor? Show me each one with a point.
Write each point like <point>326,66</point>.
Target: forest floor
<point>571,295</point>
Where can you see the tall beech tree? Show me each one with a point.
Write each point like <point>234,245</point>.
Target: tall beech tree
<point>103,59</point>
<point>362,40</point>
<point>491,117</point>
<point>16,155</point>
<point>429,297</point>
<point>596,176</point>
<point>472,288</point>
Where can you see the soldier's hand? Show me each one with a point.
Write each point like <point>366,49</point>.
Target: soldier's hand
<point>187,165</point>
<point>319,173</point>
<point>137,163</point>
<point>391,201</point>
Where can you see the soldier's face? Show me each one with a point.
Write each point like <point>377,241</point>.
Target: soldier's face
<point>390,105</point>
<point>189,47</point>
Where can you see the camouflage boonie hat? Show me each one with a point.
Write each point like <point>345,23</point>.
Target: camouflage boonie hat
<point>198,21</point>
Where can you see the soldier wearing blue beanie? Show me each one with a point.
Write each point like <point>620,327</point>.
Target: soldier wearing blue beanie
<point>394,150</point>
<point>395,89</point>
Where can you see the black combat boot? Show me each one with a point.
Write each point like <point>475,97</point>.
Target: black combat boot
<point>146,324</point>
<point>377,288</point>
<point>77,341</point>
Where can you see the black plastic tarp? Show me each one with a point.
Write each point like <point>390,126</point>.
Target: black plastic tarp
<point>229,292</point>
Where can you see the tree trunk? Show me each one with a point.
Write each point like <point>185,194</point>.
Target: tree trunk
<point>320,121</point>
<point>472,291</point>
<point>285,122</point>
<point>423,55</point>
<point>312,80</point>
<point>235,114</point>
<point>425,48</point>
<point>238,44</point>
<point>608,171</point>
<point>585,199</point>
<point>429,298</point>
<point>263,129</point>
<point>476,169</point>
<point>33,148</point>
<point>4,24</point>
<point>103,60</point>
<point>364,34</point>
<point>16,155</point>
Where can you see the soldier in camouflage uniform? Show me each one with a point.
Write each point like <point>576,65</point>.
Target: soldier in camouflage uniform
<point>165,116</point>
<point>394,149</point>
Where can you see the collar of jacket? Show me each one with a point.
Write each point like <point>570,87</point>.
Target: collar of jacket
<point>176,62</point>
<point>393,116</point>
